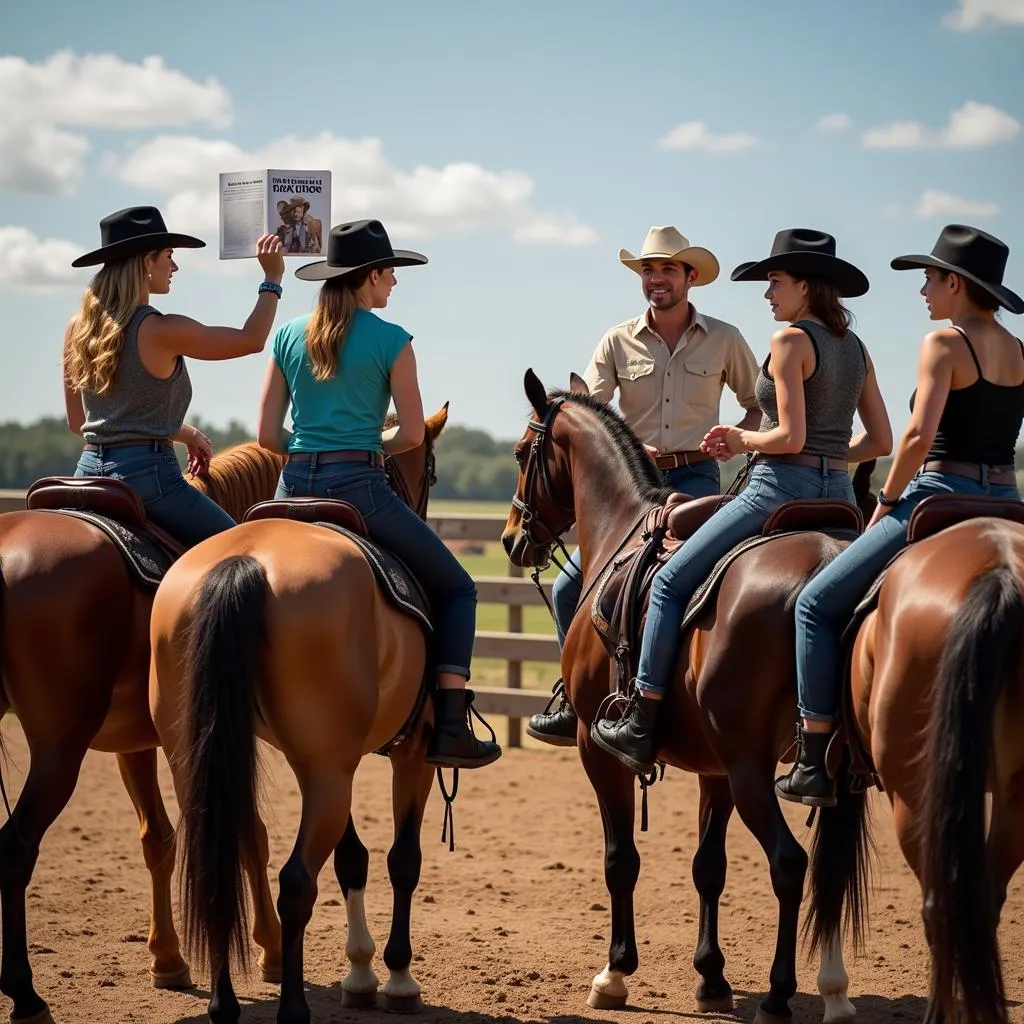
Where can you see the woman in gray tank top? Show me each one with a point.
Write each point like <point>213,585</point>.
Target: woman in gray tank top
<point>126,386</point>
<point>816,377</point>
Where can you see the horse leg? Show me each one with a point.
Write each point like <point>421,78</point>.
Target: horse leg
<point>266,929</point>
<point>714,994</point>
<point>351,864</point>
<point>412,780</point>
<point>753,791</point>
<point>138,773</point>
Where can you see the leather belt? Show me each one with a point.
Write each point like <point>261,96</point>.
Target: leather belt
<point>135,442</point>
<point>972,470</point>
<point>673,460</point>
<point>812,461</point>
<point>352,455</point>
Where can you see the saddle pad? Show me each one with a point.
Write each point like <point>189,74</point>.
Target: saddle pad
<point>146,559</point>
<point>399,584</point>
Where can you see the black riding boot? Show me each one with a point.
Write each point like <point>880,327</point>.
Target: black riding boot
<point>453,744</point>
<point>556,727</point>
<point>631,738</point>
<point>808,782</point>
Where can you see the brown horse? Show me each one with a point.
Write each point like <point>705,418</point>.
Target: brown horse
<point>300,647</point>
<point>729,713</point>
<point>938,690</point>
<point>74,658</point>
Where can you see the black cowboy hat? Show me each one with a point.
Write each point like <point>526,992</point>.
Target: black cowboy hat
<point>804,252</point>
<point>971,253</point>
<point>131,232</point>
<point>360,245</point>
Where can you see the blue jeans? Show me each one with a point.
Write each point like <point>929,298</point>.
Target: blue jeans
<point>396,527</point>
<point>699,481</point>
<point>152,470</point>
<point>769,485</point>
<point>825,605</point>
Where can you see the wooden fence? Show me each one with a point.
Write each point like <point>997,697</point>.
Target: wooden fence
<point>511,645</point>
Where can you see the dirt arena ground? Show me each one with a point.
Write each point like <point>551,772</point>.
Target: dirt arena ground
<point>511,927</point>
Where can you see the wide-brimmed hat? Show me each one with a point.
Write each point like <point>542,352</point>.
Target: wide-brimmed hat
<point>805,252</point>
<point>668,244</point>
<point>360,245</point>
<point>298,201</point>
<point>131,232</point>
<point>973,254</point>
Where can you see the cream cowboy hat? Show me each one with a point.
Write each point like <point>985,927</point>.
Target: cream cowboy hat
<point>668,244</point>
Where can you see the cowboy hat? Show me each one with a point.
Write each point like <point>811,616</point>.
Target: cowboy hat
<point>298,201</point>
<point>131,232</point>
<point>668,244</point>
<point>973,254</point>
<point>360,245</point>
<point>805,252</point>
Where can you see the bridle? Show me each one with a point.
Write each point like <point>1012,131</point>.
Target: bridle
<point>427,480</point>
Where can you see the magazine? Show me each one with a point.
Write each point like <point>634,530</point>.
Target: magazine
<point>294,205</point>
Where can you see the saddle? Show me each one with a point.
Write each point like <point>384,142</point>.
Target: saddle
<point>115,508</point>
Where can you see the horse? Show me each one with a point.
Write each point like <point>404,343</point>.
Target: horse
<point>300,647</point>
<point>74,661</point>
<point>937,677</point>
<point>728,716</point>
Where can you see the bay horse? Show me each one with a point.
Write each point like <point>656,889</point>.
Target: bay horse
<point>74,662</point>
<point>297,646</point>
<point>728,716</point>
<point>937,678</point>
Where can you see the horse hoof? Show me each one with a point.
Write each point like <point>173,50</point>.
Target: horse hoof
<point>764,1017</point>
<point>179,979</point>
<point>722,1004</point>
<point>358,1000</point>
<point>605,1000</point>
<point>42,1017</point>
<point>403,1004</point>
<point>271,975</point>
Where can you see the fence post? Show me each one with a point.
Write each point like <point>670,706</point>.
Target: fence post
<point>514,679</point>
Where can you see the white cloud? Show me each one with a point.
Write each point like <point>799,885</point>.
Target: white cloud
<point>697,135</point>
<point>29,263</point>
<point>934,202</point>
<point>416,203</point>
<point>91,91</point>
<point>834,123</point>
<point>971,14</point>
<point>972,126</point>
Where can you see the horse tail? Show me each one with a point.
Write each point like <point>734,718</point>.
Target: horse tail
<point>981,658</point>
<point>219,814</point>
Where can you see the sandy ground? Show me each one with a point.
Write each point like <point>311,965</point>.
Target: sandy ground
<point>511,927</point>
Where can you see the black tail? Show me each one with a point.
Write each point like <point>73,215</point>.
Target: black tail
<point>982,656</point>
<point>220,811</point>
<point>841,854</point>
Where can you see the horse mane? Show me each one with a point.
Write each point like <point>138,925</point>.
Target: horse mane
<point>649,483</point>
<point>240,476</point>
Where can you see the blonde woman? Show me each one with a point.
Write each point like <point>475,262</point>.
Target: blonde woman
<point>126,386</point>
<point>338,369</point>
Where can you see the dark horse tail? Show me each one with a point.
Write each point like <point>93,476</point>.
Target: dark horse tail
<point>220,812</point>
<point>981,658</point>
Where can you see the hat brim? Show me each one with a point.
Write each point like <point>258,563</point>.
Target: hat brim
<point>137,246</point>
<point>322,271</point>
<point>702,260</point>
<point>1006,298</point>
<point>850,281</point>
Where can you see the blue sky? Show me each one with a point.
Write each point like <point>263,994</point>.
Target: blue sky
<point>519,145</point>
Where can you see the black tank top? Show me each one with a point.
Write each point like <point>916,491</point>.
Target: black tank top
<point>979,423</point>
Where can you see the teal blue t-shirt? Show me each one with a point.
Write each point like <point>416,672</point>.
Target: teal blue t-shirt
<point>346,412</point>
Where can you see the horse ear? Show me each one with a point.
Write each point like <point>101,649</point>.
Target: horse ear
<point>577,385</point>
<point>536,393</point>
<point>436,423</point>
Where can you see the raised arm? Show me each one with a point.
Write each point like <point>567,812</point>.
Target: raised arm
<point>405,390</point>
<point>876,438</point>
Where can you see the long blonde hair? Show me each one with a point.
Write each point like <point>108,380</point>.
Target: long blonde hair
<point>108,305</point>
<point>335,308</point>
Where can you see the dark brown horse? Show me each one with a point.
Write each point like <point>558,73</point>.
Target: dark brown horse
<point>74,659</point>
<point>299,646</point>
<point>729,713</point>
<point>938,689</point>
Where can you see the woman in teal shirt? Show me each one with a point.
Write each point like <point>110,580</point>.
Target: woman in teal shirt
<point>338,369</point>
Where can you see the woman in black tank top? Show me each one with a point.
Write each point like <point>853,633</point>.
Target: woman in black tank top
<point>967,411</point>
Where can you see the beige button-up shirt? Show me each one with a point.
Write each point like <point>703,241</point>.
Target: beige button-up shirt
<point>672,400</point>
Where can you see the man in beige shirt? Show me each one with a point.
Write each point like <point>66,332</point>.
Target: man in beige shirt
<point>669,366</point>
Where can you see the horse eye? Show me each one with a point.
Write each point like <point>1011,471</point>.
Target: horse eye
<point>518,453</point>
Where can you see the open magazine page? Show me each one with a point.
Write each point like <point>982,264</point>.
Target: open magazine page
<point>299,210</point>
<point>243,212</point>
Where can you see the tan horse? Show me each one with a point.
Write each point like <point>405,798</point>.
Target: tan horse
<point>74,658</point>
<point>298,646</point>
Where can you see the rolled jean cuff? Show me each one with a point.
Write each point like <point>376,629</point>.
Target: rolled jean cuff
<point>645,687</point>
<point>814,716</point>
<point>455,670</point>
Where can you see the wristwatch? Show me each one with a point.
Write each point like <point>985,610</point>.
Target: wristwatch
<point>886,502</point>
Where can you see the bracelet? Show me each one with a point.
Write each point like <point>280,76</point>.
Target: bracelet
<point>886,502</point>
<point>269,286</point>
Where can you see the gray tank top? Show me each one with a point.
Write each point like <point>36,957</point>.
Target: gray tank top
<point>137,405</point>
<point>831,393</point>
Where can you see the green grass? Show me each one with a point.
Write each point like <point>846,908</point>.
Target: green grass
<point>469,507</point>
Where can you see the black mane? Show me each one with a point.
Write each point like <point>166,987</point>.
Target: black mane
<point>642,470</point>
